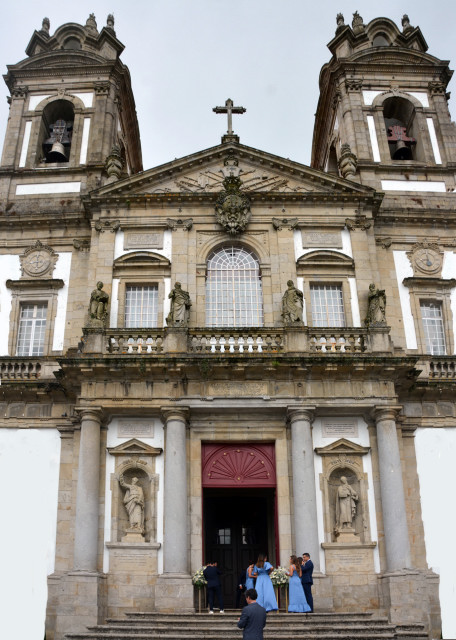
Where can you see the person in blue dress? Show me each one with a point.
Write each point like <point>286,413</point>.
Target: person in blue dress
<point>249,580</point>
<point>266,596</point>
<point>297,602</point>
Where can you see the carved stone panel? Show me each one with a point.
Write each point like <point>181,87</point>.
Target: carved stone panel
<point>38,261</point>
<point>321,239</point>
<point>143,240</point>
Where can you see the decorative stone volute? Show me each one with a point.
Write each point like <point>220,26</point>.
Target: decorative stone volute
<point>348,162</point>
<point>114,164</point>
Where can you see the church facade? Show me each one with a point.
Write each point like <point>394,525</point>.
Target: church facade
<point>236,349</point>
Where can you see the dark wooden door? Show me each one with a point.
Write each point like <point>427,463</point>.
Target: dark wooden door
<point>236,531</point>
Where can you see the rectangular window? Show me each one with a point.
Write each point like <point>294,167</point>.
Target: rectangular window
<point>141,306</point>
<point>431,314</point>
<point>32,327</point>
<point>327,306</point>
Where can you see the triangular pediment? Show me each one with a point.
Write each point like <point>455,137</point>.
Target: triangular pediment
<point>342,446</point>
<point>134,447</point>
<point>261,173</point>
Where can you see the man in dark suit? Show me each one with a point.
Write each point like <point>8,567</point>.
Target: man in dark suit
<point>253,617</point>
<point>211,573</point>
<point>240,588</point>
<point>306,579</point>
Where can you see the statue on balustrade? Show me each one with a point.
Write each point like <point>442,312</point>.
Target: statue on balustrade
<point>376,307</point>
<point>180,307</point>
<point>134,503</point>
<point>292,305</point>
<point>98,307</point>
<point>346,500</point>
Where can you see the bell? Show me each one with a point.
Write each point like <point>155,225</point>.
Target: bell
<point>57,153</point>
<point>402,152</point>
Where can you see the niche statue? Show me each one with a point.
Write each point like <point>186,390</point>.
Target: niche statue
<point>376,310</point>
<point>180,307</point>
<point>346,500</point>
<point>98,307</point>
<point>292,305</point>
<point>134,504</point>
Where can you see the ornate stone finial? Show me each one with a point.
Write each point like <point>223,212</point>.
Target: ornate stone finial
<point>406,26</point>
<point>357,24</point>
<point>232,208</point>
<point>91,25</point>
<point>98,306</point>
<point>114,164</point>
<point>292,305</point>
<point>376,307</point>
<point>348,162</point>
<point>180,307</point>
<point>340,22</point>
<point>45,26</point>
<point>110,22</point>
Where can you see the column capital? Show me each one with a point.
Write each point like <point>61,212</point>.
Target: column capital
<point>175,413</point>
<point>386,412</point>
<point>298,412</point>
<point>91,413</point>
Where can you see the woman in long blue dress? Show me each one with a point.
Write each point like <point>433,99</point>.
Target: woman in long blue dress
<point>249,581</point>
<point>263,586</point>
<point>297,602</point>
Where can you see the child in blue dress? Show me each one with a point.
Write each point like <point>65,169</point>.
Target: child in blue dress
<point>266,596</point>
<point>297,602</point>
<point>249,580</point>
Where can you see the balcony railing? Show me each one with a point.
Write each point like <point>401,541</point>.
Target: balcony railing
<point>437,368</point>
<point>18,369</point>
<point>238,341</point>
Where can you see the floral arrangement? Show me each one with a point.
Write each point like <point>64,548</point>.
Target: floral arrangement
<point>198,579</point>
<point>279,577</point>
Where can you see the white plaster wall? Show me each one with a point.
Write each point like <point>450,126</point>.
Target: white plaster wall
<point>373,138</point>
<point>113,440</point>
<point>356,317</point>
<point>29,475</point>
<point>166,251</point>
<point>114,303</point>
<point>436,453</point>
<point>418,186</point>
<point>300,251</point>
<point>62,270</point>
<point>404,270</point>
<point>449,271</point>
<point>363,440</point>
<point>10,268</point>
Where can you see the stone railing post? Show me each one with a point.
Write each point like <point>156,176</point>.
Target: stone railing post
<point>304,495</point>
<point>397,542</point>
<point>87,496</point>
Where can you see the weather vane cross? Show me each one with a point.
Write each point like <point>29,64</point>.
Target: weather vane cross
<point>229,109</point>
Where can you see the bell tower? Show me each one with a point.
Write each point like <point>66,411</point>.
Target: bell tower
<point>72,120</point>
<point>382,116</point>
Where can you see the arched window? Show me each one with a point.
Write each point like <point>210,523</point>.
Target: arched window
<point>234,296</point>
<point>380,40</point>
<point>56,132</point>
<point>399,115</point>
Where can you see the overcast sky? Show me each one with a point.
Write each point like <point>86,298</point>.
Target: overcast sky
<point>187,56</point>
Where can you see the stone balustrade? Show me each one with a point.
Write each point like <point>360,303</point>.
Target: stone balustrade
<point>437,368</point>
<point>130,341</point>
<point>20,369</point>
<point>340,340</point>
<point>236,340</point>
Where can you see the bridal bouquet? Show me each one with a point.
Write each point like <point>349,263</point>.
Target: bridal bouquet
<point>279,577</point>
<point>198,579</point>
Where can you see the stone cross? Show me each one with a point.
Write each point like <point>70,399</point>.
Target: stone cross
<point>229,109</point>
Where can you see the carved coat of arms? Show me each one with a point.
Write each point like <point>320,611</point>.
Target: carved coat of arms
<point>232,208</point>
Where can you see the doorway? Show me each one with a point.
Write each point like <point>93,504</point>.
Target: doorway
<point>238,525</point>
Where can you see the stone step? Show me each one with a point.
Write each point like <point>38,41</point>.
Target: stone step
<point>228,627</point>
<point>215,635</point>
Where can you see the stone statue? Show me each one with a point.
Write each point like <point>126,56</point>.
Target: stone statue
<point>340,22</point>
<point>180,307</point>
<point>45,26</point>
<point>110,22</point>
<point>376,310</point>
<point>406,26</point>
<point>292,305</point>
<point>134,503</point>
<point>348,162</point>
<point>346,500</point>
<point>98,308</point>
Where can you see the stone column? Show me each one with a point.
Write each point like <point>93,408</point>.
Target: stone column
<point>87,496</point>
<point>174,590</point>
<point>304,495</point>
<point>397,542</point>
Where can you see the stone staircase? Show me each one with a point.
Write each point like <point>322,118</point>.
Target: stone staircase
<point>279,626</point>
